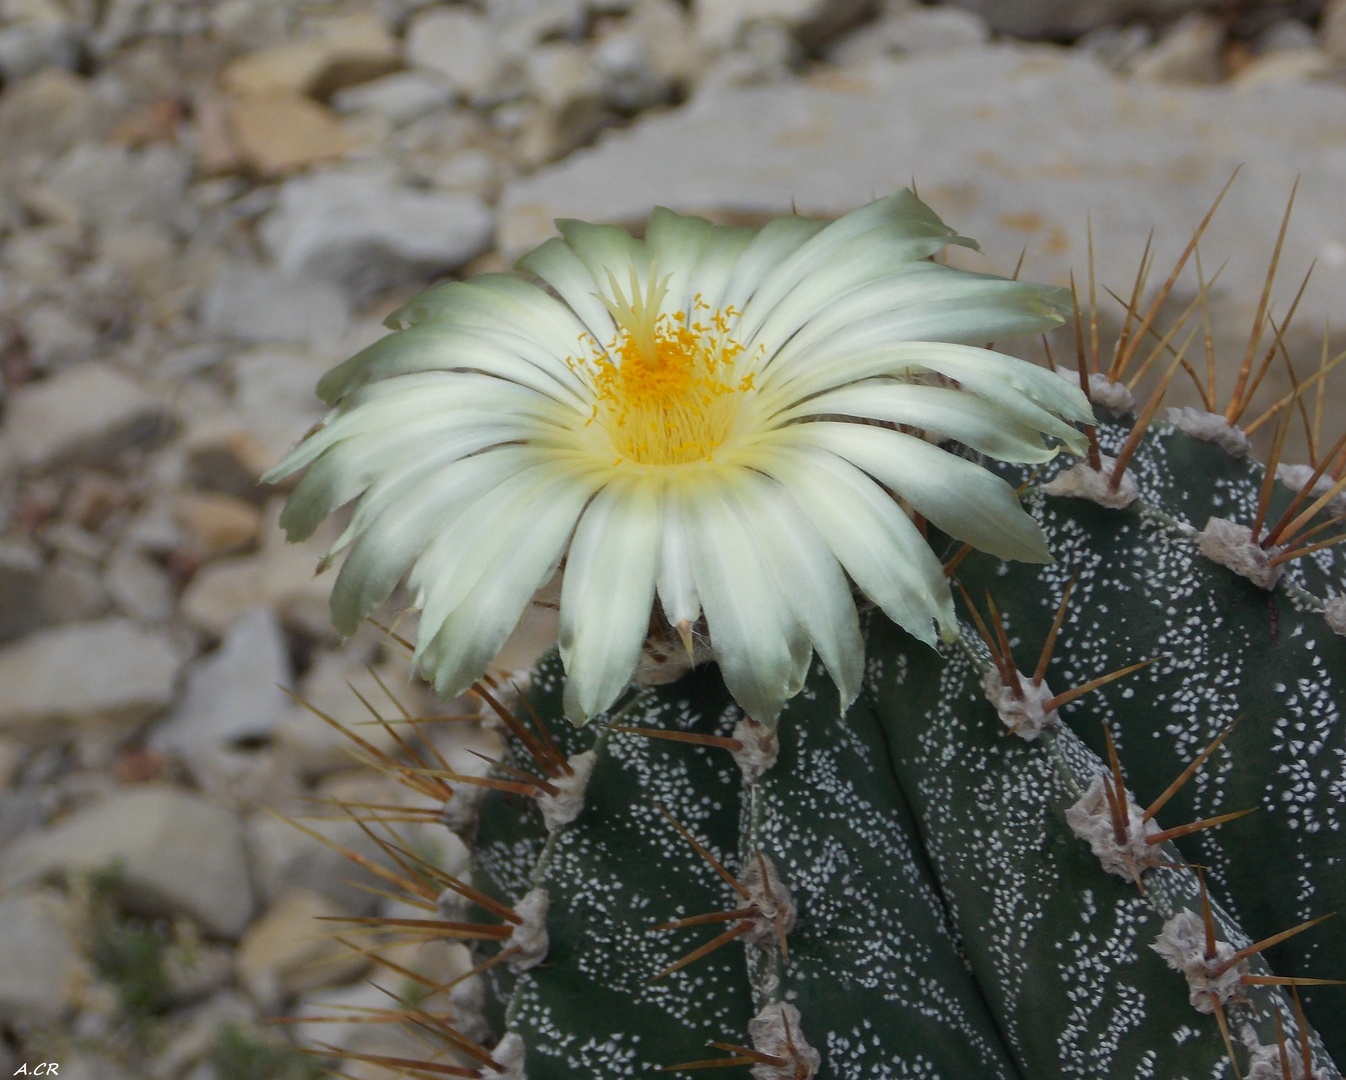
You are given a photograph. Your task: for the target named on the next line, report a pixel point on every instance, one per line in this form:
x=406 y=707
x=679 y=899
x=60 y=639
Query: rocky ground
x=206 y=203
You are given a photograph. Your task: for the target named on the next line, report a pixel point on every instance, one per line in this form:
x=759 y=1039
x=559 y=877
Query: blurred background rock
x=206 y=203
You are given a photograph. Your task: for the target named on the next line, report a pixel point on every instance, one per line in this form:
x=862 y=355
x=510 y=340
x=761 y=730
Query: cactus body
x=949 y=921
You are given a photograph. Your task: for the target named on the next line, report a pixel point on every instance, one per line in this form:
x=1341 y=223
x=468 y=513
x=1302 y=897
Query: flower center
x=668 y=385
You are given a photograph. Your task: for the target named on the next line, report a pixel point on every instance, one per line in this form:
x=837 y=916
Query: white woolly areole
x=1265 y=1062
x=1297 y=477
x=1335 y=614
x=771 y=897
x=1209 y=427
x=1182 y=944
x=459 y=812
x=468 y=1001
x=758 y=751
x=776 y=1031
x=1082 y=482
x=1027 y=717
x=1113 y=396
x=509 y=1053
x=1091 y=820
x=531 y=934
x=561 y=809
x=1231 y=545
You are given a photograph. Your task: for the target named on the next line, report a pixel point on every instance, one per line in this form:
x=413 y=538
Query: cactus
x=1095 y=835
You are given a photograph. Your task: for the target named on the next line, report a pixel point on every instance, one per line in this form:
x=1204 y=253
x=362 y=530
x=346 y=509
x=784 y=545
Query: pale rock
x=336 y=1004
x=88 y=413
x=288 y=951
x=1045 y=136
x=1286 y=34
x=317 y=749
x=200 y=1035
x=285 y=580
x=234 y=693
x=399 y=98
x=141 y=250
x=767 y=53
x=44 y=254
x=643 y=61
x=57 y=336
x=342 y=51
x=72 y=591
x=524 y=24
x=216 y=524
x=138 y=586
x=46 y=115
x=1283 y=65
x=472 y=170
x=284 y=859
x=41 y=971
x=177 y=854
x=722 y=23
x=562 y=76
x=120 y=21
x=110 y=671
x=29 y=47
x=1189 y=52
x=196 y=970
x=918 y=30
x=1116 y=46
x=112 y=185
x=274 y=397
x=364 y=229
x=1041 y=19
x=224 y=456
x=93 y=1066
x=281 y=576
x=279 y=133
x=20 y=586
x=250 y=23
x=254 y=304
x=1332 y=30
x=457 y=44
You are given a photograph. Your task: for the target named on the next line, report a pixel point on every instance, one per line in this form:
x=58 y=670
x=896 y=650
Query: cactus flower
x=724 y=426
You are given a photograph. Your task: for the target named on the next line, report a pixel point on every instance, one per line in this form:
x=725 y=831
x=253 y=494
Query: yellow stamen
x=668 y=386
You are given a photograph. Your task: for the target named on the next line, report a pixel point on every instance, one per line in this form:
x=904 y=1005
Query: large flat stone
x=1013 y=146
x=107 y=671
x=86 y=414
x=175 y=853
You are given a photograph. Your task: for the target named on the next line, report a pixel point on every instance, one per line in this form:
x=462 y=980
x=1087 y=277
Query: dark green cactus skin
x=950 y=924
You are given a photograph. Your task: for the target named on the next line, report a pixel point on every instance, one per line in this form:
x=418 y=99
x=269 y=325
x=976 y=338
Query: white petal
x=412 y=516
x=925 y=301
x=1032 y=395
x=346 y=470
x=877 y=544
x=899 y=223
x=607 y=594
x=556 y=264
x=950 y=414
x=701 y=257
x=809 y=578
x=454 y=397
x=777 y=240
x=528 y=501
x=493 y=300
x=470 y=636
x=429 y=347
x=754 y=633
x=958 y=496
x=675 y=582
